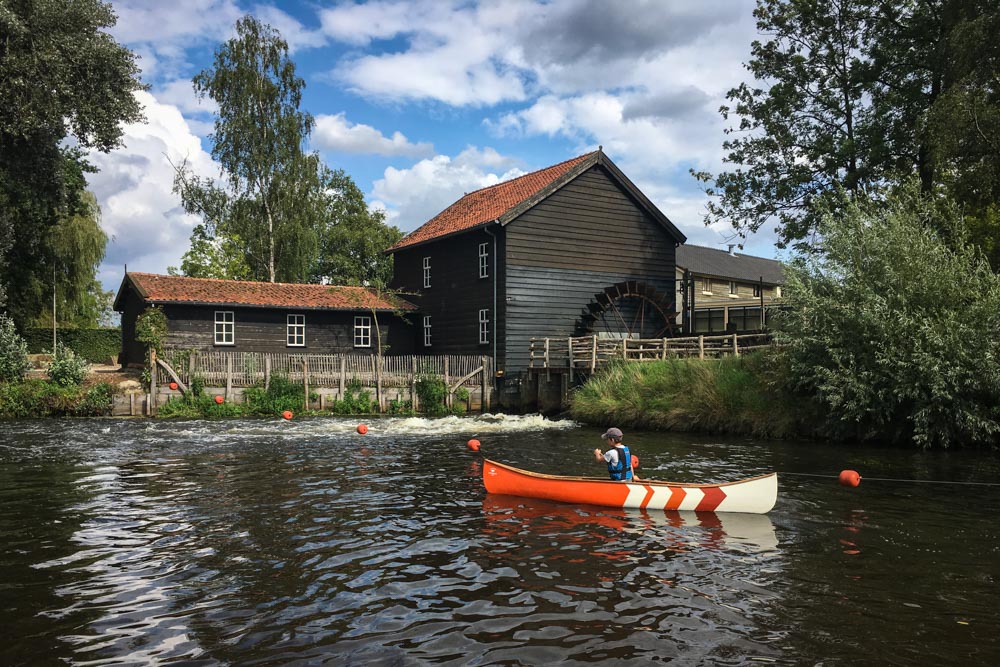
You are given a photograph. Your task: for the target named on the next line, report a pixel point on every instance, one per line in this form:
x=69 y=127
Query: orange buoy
x=287 y=414
x=635 y=462
x=219 y=399
x=473 y=445
x=849 y=478
x=362 y=429
x=173 y=386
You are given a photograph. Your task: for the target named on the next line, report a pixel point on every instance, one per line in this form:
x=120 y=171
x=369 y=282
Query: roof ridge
x=530 y=173
x=242 y=282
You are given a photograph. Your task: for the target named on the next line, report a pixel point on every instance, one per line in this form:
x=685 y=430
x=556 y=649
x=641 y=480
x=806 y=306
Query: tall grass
x=736 y=395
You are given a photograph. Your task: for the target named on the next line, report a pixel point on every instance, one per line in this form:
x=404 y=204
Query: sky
x=421 y=101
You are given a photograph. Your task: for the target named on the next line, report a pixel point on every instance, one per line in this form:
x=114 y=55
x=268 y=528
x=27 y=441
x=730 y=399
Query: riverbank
x=742 y=395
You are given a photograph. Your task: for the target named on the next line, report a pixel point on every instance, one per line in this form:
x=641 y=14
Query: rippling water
x=284 y=543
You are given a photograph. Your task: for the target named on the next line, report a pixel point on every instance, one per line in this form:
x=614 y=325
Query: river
x=264 y=542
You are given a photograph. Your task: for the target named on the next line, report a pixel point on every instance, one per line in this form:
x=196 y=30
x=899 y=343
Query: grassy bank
x=39 y=398
x=734 y=395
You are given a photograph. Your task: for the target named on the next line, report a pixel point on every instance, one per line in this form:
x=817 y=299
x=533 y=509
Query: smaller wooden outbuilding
x=244 y=316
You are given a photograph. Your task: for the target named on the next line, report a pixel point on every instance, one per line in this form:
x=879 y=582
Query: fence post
x=229 y=374
x=665 y=344
x=305 y=382
x=152 y=382
x=267 y=372
x=191 y=366
x=447 y=383
x=569 y=354
x=378 y=380
x=413 y=383
x=593 y=355
x=624 y=349
x=343 y=374
x=701 y=347
x=482 y=386
x=736 y=347
x=547 y=370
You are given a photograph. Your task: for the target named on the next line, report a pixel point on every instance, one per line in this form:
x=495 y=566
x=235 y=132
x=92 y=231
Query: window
x=706 y=286
x=734 y=289
x=362 y=331
x=296 y=331
x=484 y=260
x=484 y=326
x=756 y=291
x=224 y=328
x=777 y=291
x=710 y=320
x=427 y=271
x=427 y=330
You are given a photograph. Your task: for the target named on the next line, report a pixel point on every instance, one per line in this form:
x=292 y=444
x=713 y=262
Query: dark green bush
x=432 y=392
x=355 y=401
x=38 y=398
x=94 y=345
x=13 y=352
x=281 y=394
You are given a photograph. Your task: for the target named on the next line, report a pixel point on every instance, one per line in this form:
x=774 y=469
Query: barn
x=572 y=249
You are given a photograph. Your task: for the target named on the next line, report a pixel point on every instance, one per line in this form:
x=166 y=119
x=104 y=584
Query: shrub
x=13 y=352
x=96 y=401
x=151 y=328
x=37 y=398
x=355 y=401
x=281 y=394
x=432 y=392
x=94 y=345
x=67 y=369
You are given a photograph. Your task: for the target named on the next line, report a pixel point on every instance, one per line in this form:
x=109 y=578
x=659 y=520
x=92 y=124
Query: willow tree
x=263 y=208
x=66 y=86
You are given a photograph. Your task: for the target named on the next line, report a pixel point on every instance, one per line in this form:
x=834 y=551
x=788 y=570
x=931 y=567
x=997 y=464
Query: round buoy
x=287 y=414
x=173 y=386
x=473 y=445
x=849 y=478
x=635 y=461
x=362 y=429
x=219 y=399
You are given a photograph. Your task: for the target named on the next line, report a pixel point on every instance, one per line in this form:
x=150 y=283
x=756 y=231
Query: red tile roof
x=178 y=289
x=489 y=204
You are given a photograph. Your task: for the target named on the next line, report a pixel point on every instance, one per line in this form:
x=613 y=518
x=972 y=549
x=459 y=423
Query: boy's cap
x=612 y=433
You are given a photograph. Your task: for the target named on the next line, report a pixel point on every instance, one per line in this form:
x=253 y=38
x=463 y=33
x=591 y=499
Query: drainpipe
x=496 y=270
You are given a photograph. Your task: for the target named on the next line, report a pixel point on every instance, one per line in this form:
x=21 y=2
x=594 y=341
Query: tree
x=264 y=211
x=850 y=95
x=892 y=326
x=61 y=76
x=353 y=238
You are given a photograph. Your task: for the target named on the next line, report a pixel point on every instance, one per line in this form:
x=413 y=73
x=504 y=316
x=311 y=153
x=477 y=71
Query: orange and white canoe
x=755 y=495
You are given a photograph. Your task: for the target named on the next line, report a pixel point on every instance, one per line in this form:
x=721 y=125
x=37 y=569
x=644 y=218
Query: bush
x=37 y=398
x=67 y=369
x=13 y=352
x=281 y=394
x=151 y=328
x=893 y=328
x=94 y=345
x=96 y=401
x=432 y=392
x=355 y=401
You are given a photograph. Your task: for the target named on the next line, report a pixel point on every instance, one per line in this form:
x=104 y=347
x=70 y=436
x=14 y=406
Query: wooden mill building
x=572 y=249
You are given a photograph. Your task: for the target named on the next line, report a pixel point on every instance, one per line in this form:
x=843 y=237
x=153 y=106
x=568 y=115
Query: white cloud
x=148 y=226
x=336 y=133
x=415 y=195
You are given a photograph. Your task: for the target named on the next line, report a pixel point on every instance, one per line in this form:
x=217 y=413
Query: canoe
x=755 y=495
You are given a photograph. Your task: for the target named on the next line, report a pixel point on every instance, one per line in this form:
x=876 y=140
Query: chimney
x=731 y=246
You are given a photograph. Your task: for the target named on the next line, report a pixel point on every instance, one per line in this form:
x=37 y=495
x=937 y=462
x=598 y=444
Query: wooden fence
x=233 y=370
x=588 y=353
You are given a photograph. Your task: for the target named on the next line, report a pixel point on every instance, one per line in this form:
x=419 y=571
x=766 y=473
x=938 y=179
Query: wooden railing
x=588 y=353
x=244 y=369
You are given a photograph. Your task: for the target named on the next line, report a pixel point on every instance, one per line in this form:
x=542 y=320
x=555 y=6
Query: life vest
x=622 y=469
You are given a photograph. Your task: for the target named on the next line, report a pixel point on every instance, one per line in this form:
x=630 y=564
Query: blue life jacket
x=623 y=469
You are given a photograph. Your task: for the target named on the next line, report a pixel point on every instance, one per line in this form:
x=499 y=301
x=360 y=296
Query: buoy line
x=892 y=479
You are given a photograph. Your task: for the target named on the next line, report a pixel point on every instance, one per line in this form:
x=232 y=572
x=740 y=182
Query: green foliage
x=96 y=345
x=432 y=392
x=151 y=327
x=67 y=87
x=848 y=96
x=267 y=212
x=281 y=394
x=37 y=399
x=67 y=368
x=13 y=352
x=893 y=327
x=737 y=395
x=199 y=407
x=400 y=408
x=355 y=401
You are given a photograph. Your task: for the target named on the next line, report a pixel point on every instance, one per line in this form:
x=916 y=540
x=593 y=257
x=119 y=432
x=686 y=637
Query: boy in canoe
x=618 y=457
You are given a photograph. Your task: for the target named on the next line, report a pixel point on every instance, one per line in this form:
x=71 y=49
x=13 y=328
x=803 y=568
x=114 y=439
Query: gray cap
x=612 y=432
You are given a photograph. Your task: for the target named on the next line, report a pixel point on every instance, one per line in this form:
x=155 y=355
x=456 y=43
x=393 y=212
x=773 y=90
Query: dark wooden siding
x=585 y=237
x=133 y=352
x=265 y=330
x=455 y=296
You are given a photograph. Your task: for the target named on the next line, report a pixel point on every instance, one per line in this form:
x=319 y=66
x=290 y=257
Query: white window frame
x=706 y=286
x=362 y=331
x=427 y=271
x=484 y=326
x=228 y=326
x=295 y=330
x=427 y=330
x=484 y=260
x=734 y=289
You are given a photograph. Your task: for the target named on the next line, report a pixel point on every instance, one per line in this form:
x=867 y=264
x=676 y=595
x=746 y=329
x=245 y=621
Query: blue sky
x=421 y=101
